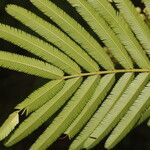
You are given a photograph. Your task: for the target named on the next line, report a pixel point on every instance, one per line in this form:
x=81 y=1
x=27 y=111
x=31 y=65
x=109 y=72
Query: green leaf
x=53 y=35
x=106 y=98
x=118 y=110
x=39 y=48
x=37 y=118
x=68 y=114
x=9 y=125
x=130 y=119
x=102 y=29
x=29 y=65
x=76 y=31
x=102 y=89
x=138 y=25
x=108 y=103
x=40 y=96
x=122 y=30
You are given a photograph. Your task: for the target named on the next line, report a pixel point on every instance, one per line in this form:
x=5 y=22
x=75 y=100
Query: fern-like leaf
x=102 y=29
x=37 y=118
x=9 y=125
x=54 y=35
x=130 y=119
x=102 y=89
x=75 y=99
x=68 y=114
x=119 y=109
x=40 y=96
x=29 y=65
x=115 y=94
x=39 y=48
x=76 y=31
x=123 y=31
x=136 y=23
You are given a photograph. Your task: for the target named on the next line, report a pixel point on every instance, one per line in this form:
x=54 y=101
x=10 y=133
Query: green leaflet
x=138 y=25
x=45 y=112
x=122 y=30
x=76 y=31
x=29 y=65
x=54 y=35
x=9 y=125
x=40 y=96
x=130 y=119
x=67 y=115
x=145 y=115
x=102 y=89
x=118 y=110
x=102 y=29
x=39 y=48
x=108 y=103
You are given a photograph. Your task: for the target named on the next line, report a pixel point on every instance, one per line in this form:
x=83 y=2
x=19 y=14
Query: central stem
x=108 y=72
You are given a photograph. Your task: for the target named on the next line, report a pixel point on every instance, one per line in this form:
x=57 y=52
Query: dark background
x=14 y=86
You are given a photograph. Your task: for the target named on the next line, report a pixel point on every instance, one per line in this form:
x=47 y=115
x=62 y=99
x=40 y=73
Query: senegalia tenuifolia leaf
x=123 y=31
x=130 y=119
x=105 y=33
x=37 y=118
x=29 y=65
x=144 y=116
x=102 y=89
x=118 y=110
x=76 y=31
x=138 y=25
x=108 y=103
x=68 y=114
x=39 y=48
x=53 y=35
x=39 y=97
x=9 y=125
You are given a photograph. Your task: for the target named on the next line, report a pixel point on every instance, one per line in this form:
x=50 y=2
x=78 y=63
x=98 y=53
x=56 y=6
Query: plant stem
x=107 y=72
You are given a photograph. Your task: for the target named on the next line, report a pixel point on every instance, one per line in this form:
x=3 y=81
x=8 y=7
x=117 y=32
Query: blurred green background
x=14 y=86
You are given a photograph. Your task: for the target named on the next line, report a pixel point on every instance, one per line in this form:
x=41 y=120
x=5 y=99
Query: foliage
x=95 y=89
